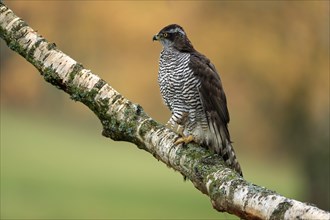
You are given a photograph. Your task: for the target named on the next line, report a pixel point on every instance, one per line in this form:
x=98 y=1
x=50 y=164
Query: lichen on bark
x=125 y=121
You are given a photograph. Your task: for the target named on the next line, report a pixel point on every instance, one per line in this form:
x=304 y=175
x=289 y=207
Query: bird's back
x=192 y=89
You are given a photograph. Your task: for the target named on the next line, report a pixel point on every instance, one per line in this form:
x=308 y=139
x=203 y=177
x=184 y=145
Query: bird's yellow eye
x=165 y=34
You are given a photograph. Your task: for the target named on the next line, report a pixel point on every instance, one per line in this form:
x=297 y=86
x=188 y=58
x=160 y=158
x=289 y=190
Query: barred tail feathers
x=220 y=143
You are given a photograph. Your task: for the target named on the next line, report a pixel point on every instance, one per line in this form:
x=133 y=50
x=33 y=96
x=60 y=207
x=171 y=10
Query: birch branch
x=123 y=120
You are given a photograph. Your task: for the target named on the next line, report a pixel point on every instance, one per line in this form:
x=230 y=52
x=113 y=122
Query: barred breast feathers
x=192 y=89
x=172 y=73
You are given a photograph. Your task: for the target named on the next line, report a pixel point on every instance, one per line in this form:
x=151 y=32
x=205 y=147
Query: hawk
x=192 y=90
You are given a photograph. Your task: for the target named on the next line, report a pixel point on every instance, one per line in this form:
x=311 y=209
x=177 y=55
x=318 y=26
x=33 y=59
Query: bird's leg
x=177 y=124
x=184 y=139
x=173 y=125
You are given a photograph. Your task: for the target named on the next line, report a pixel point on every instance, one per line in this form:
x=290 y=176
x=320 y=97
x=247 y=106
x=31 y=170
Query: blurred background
x=273 y=58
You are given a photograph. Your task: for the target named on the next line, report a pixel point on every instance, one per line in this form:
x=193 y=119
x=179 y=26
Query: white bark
x=123 y=120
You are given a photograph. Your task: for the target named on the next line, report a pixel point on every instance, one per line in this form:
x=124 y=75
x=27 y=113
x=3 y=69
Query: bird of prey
x=192 y=90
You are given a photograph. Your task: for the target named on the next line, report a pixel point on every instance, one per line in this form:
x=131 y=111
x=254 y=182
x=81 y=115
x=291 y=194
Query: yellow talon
x=185 y=140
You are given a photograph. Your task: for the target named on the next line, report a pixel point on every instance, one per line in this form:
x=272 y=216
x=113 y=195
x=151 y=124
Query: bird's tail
x=222 y=145
x=229 y=156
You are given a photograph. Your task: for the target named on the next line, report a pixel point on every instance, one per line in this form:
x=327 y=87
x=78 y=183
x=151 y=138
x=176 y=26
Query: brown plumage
x=192 y=89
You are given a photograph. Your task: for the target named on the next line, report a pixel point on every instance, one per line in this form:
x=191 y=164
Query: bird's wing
x=213 y=98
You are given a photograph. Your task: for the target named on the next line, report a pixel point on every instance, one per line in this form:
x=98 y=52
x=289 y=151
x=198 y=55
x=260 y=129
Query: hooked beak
x=156 y=37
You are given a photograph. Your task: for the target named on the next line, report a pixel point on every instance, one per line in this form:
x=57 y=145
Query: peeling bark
x=125 y=121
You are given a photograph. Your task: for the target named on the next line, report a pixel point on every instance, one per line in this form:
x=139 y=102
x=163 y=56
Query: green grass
x=54 y=168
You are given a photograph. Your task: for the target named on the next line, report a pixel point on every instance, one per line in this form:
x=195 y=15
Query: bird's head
x=173 y=36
